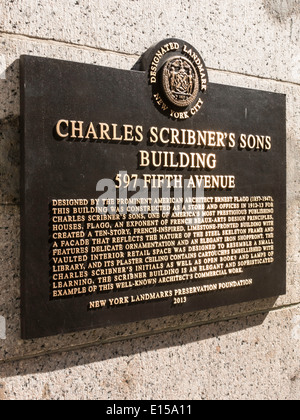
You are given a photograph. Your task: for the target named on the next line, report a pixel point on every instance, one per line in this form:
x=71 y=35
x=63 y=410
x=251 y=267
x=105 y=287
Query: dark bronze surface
x=69 y=165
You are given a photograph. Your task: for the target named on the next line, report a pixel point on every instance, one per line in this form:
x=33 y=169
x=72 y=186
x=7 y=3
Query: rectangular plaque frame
x=65 y=169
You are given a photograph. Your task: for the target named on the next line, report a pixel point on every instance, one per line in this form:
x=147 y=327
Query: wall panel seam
x=147 y=334
x=133 y=55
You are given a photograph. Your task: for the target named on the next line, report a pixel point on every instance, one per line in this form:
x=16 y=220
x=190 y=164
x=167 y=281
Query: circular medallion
x=180 y=81
x=178 y=76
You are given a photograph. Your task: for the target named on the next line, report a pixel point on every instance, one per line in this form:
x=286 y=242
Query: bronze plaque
x=146 y=193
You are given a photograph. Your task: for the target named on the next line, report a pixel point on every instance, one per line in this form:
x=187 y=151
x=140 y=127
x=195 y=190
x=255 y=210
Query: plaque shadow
x=173 y=337
x=10 y=134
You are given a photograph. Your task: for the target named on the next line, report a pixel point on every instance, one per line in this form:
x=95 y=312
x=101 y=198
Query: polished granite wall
x=244 y=351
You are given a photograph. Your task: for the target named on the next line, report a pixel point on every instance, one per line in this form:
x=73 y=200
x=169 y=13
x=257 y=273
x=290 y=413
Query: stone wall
x=247 y=351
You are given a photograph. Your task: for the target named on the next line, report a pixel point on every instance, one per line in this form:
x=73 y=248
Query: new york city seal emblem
x=180 y=81
x=179 y=78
